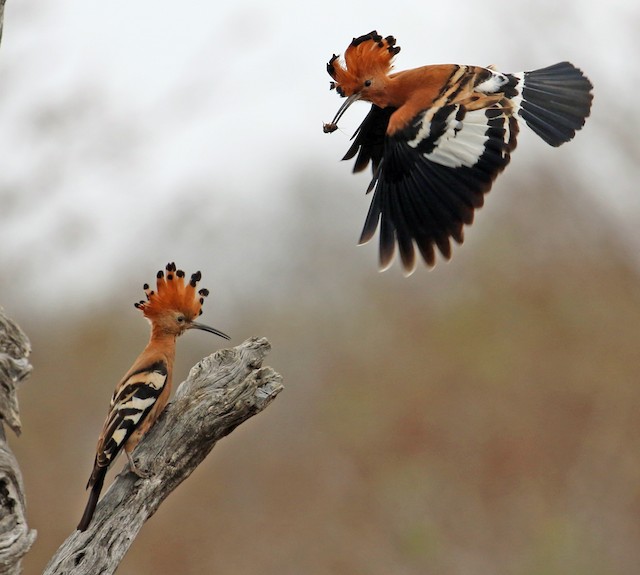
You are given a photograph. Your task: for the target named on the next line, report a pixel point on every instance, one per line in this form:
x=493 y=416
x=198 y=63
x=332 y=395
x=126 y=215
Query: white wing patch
x=425 y=127
x=134 y=399
x=155 y=379
x=493 y=83
x=119 y=435
x=139 y=404
x=462 y=143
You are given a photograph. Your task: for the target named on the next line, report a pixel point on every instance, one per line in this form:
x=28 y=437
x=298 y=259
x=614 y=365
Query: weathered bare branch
x=14 y=367
x=15 y=536
x=221 y=392
x=1 y=17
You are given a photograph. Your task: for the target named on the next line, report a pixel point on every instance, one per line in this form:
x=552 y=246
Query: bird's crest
x=366 y=56
x=173 y=294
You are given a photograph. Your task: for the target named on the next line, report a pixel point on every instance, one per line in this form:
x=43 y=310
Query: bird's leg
x=134 y=468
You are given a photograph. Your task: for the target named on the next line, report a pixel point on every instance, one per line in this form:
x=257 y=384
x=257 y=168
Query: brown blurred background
x=479 y=418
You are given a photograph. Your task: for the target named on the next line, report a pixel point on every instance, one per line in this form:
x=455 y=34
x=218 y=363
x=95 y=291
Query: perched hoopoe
x=144 y=391
x=437 y=137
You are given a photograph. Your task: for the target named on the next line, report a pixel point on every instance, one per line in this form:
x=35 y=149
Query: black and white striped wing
x=130 y=404
x=432 y=175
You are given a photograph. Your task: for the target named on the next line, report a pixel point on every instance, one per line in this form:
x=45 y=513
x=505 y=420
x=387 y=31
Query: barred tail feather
x=555 y=101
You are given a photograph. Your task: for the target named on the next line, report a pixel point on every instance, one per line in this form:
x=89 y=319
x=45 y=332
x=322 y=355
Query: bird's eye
x=367 y=83
x=180 y=319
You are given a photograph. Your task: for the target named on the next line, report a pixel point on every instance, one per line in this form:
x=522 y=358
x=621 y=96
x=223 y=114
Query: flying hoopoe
x=437 y=137
x=144 y=390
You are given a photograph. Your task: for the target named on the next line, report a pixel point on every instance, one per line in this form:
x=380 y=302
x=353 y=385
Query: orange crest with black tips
x=367 y=56
x=173 y=294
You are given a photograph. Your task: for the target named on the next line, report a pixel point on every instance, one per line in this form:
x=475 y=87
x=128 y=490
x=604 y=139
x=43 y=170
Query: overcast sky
x=117 y=116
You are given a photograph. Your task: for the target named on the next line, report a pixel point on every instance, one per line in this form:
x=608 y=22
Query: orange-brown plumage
x=437 y=136
x=367 y=56
x=172 y=295
x=144 y=391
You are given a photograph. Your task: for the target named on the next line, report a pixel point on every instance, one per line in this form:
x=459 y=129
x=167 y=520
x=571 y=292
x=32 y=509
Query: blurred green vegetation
x=479 y=418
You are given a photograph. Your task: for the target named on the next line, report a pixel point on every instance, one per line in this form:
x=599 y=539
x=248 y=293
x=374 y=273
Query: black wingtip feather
x=371 y=221
x=387 y=241
x=368 y=139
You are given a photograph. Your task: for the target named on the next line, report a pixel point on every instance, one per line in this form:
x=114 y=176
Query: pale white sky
x=138 y=131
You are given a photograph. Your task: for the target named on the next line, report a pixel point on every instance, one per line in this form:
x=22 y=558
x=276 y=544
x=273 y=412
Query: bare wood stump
x=15 y=536
x=221 y=392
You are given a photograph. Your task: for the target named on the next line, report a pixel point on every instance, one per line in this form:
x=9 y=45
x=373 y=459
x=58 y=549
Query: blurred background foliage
x=477 y=418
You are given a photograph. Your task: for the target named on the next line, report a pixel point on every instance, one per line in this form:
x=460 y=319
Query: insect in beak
x=333 y=125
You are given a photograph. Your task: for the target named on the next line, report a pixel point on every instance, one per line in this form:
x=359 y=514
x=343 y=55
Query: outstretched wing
x=433 y=175
x=430 y=176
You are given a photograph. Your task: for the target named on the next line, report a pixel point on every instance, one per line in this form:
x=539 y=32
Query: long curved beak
x=350 y=100
x=201 y=326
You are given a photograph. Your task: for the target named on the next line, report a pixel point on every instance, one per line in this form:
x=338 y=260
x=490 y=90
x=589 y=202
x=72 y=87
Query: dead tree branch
x=15 y=536
x=221 y=392
x=1 y=17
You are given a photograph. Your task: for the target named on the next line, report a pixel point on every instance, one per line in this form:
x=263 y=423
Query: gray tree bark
x=221 y=392
x=1 y=17
x=15 y=536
